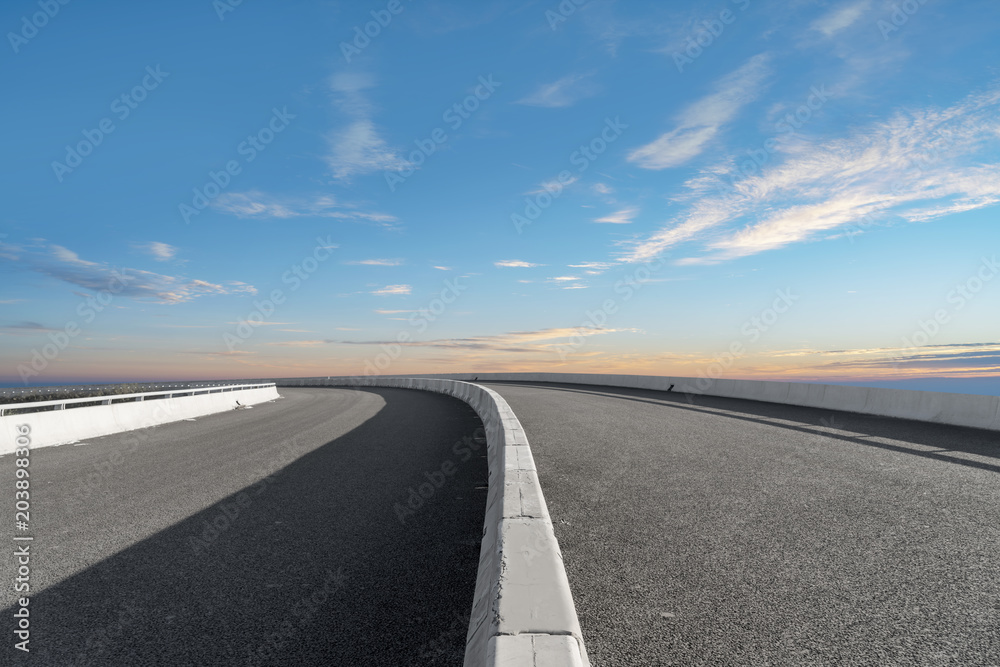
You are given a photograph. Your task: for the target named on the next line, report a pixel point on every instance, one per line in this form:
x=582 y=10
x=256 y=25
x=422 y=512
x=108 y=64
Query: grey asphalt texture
x=267 y=536
x=729 y=532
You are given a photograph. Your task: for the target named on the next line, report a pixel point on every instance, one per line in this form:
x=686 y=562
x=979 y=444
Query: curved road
x=730 y=532
x=270 y=536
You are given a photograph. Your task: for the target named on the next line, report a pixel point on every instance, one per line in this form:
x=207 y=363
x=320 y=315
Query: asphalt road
x=269 y=536
x=730 y=532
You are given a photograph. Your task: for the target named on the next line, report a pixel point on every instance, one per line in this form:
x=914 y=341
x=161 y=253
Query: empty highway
x=278 y=535
x=729 y=532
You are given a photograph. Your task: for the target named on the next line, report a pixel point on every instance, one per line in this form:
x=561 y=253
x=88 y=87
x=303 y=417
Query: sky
x=799 y=191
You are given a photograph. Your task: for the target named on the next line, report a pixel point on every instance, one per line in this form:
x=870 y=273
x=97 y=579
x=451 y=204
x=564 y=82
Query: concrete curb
x=968 y=410
x=522 y=612
x=60 y=426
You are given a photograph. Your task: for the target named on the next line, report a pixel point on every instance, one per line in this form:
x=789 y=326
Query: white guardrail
x=522 y=612
x=66 y=420
x=970 y=410
x=27 y=407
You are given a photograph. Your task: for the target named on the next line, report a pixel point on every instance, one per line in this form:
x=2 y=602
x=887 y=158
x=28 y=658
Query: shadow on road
x=311 y=565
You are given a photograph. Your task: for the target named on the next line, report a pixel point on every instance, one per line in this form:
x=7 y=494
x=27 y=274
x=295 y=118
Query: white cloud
x=377 y=262
x=442 y=268
x=553 y=186
x=515 y=264
x=357 y=148
x=255 y=204
x=544 y=340
x=918 y=165
x=562 y=93
x=393 y=289
x=599 y=266
x=701 y=121
x=65 y=265
x=161 y=252
x=622 y=217
x=841 y=17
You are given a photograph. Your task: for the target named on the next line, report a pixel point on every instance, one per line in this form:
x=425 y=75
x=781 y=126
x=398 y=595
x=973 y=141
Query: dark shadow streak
x=314 y=566
x=974 y=441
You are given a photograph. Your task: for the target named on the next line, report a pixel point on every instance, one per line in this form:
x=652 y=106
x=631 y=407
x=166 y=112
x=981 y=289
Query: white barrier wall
x=930 y=406
x=54 y=427
x=523 y=613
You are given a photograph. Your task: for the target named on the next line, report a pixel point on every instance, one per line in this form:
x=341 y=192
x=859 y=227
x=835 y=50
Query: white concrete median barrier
x=69 y=420
x=939 y=407
x=522 y=613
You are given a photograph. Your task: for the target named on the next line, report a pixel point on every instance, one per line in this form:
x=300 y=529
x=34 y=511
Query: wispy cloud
x=562 y=93
x=26 y=328
x=553 y=185
x=357 y=147
x=301 y=343
x=161 y=252
x=515 y=264
x=256 y=204
x=840 y=18
x=593 y=268
x=598 y=266
x=377 y=262
x=393 y=289
x=65 y=265
x=946 y=360
x=543 y=340
x=917 y=166
x=701 y=121
x=622 y=217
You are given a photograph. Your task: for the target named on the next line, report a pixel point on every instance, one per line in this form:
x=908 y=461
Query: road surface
x=278 y=535
x=730 y=532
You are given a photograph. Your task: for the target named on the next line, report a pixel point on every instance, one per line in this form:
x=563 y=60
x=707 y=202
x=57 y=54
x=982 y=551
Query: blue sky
x=757 y=189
